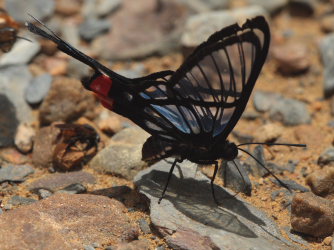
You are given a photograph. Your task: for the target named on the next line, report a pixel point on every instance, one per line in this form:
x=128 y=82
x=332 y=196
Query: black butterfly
x=189 y=112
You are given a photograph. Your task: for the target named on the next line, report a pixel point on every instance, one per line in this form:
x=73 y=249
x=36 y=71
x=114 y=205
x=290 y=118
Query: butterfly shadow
x=193 y=198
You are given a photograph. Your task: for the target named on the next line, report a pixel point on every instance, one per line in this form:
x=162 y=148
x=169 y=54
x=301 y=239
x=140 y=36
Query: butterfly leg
x=212 y=180
x=168 y=179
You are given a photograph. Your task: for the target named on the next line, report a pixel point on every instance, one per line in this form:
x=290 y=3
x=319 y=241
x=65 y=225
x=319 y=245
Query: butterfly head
x=230 y=151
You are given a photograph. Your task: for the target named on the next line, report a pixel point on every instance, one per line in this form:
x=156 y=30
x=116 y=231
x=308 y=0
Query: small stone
x=233 y=179
x=327 y=23
x=271 y=6
x=134 y=72
x=110 y=123
x=24 y=137
x=55 y=66
x=13 y=156
x=22 y=53
x=66 y=101
x=77 y=69
x=269 y=132
x=116 y=192
x=145 y=228
x=321 y=182
x=89 y=247
x=15 y=173
x=105 y=7
x=328 y=240
x=76 y=188
x=292 y=58
x=134 y=245
x=291 y=184
x=263 y=101
x=93 y=27
x=304 y=8
x=313 y=215
x=68 y=7
x=8 y=122
x=327 y=52
x=18 y=200
x=254 y=167
x=37 y=8
x=58 y=181
x=38 y=89
x=43 y=193
x=326 y=157
x=242 y=138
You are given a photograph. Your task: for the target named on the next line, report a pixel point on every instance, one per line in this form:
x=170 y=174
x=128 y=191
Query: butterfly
x=190 y=112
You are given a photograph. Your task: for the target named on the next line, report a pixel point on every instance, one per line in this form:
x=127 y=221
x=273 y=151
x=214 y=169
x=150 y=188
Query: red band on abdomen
x=101 y=87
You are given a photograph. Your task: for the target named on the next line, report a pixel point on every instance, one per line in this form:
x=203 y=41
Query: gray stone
x=199 y=6
x=76 y=188
x=123 y=156
x=13 y=81
x=93 y=27
x=77 y=69
x=264 y=101
x=43 y=193
x=100 y=8
x=253 y=166
x=55 y=182
x=189 y=206
x=18 y=200
x=22 y=52
x=199 y=27
x=326 y=157
x=272 y=6
x=233 y=179
x=144 y=226
x=8 y=122
x=135 y=72
x=327 y=54
x=38 y=89
x=89 y=247
x=291 y=112
x=19 y=9
x=292 y=185
x=15 y=173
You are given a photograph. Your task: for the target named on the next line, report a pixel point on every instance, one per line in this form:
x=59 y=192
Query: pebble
x=326 y=157
x=89 y=247
x=208 y=226
x=68 y=7
x=328 y=240
x=43 y=193
x=123 y=155
x=312 y=215
x=13 y=82
x=137 y=71
x=233 y=179
x=92 y=27
x=59 y=181
x=70 y=33
x=13 y=156
x=100 y=8
x=109 y=122
x=326 y=47
x=66 y=101
x=200 y=6
x=292 y=58
x=134 y=245
x=264 y=101
x=269 y=132
x=24 y=138
x=271 y=6
x=291 y=184
x=327 y=23
x=40 y=9
x=304 y=8
x=22 y=52
x=77 y=69
x=321 y=182
x=73 y=220
x=144 y=226
x=255 y=168
x=199 y=27
x=75 y=188
x=116 y=192
x=291 y=112
x=128 y=40
x=8 y=122
x=15 y=173
x=19 y=200
x=55 y=66
x=38 y=89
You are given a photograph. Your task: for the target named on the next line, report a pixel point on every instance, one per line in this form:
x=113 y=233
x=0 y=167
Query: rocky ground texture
x=71 y=174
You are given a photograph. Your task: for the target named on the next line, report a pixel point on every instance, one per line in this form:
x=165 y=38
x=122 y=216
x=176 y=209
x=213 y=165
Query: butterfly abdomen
x=155 y=149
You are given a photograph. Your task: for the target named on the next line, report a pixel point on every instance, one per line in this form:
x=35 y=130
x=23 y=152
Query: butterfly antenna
x=273 y=144
x=242 y=177
x=271 y=173
x=69 y=49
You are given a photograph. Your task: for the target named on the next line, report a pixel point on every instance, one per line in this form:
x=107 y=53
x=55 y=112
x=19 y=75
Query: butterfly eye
x=129 y=97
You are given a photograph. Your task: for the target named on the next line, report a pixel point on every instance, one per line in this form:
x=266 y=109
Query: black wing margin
x=203 y=100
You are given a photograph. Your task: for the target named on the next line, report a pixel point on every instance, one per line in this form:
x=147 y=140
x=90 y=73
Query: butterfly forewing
x=205 y=97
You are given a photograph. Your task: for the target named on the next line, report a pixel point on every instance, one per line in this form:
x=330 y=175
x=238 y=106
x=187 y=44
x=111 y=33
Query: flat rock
x=13 y=82
x=123 y=156
x=15 y=173
x=66 y=101
x=66 y=221
x=199 y=27
x=22 y=52
x=326 y=47
x=57 y=181
x=40 y=9
x=189 y=206
x=312 y=215
x=321 y=182
x=8 y=122
x=19 y=200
